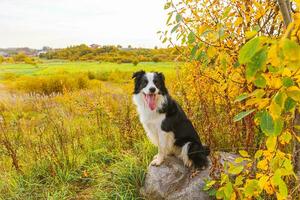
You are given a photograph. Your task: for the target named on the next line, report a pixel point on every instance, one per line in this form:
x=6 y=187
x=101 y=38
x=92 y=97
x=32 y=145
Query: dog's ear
x=161 y=75
x=138 y=74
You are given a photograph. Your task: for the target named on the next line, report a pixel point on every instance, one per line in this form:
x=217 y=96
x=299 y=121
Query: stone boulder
x=173 y=181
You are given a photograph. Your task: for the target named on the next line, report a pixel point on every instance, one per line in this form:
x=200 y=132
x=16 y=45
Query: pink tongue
x=150 y=98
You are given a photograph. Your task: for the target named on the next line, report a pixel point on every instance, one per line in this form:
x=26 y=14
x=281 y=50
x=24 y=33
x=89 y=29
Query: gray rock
x=173 y=181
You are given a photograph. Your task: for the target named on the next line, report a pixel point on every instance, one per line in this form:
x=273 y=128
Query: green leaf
x=287 y=82
x=178 y=17
x=175 y=28
x=226 y=12
x=291 y=50
x=236 y=64
x=278 y=125
x=243 y=114
x=258 y=93
x=256 y=63
x=250 y=187
x=201 y=55
x=209 y=184
x=289 y=104
x=228 y=189
x=241 y=97
x=248 y=50
x=235 y=169
x=260 y=82
x=167 y=5
x=191 y=38
x=170 y=17
x=266 y=123
x=212 y=192
x=283 y=189
x=194 y=50
x=280 y=98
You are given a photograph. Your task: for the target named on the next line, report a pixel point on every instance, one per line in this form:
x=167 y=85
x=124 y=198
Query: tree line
x=115 y=54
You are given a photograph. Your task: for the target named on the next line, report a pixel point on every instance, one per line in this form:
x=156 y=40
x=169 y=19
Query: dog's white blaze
x=184 y=154
x=150 y=78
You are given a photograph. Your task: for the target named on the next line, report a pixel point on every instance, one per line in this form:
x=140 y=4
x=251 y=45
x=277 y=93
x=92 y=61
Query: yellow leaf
x=273 y=56
x=263 y=164
x=275 y=110
x=286 y=72
x=294 y=93
x=271 y=143
x=233 y=196
x=238 y=21
x=253 y=101
x=298 y=138
x=285 y=137
x=244 y=153
x=269 y=189
x=275 y=83
x=263 y=103
x=239 y=180
x=250 y=34
x=258 y=154
x=211 y=51
x=263 y=181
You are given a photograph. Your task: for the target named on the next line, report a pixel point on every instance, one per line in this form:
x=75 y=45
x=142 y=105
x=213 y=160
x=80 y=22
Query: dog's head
x=151 y=85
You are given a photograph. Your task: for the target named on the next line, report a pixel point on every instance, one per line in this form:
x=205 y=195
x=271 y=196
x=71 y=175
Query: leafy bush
x=249 y=84
x=51 y=84
x=135 y=62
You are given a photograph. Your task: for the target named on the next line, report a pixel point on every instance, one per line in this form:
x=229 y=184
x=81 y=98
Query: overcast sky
x=59 y=23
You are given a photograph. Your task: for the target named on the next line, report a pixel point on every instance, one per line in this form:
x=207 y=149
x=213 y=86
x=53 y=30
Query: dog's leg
x=184 y=155
x=159 y=158
x=165 y=147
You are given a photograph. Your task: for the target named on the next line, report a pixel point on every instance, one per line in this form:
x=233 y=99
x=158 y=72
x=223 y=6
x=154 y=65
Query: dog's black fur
x=176 y=120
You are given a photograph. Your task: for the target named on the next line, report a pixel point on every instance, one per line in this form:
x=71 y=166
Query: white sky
x=59 y=23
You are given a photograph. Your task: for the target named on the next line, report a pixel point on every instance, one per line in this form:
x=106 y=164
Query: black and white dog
x=165 y=123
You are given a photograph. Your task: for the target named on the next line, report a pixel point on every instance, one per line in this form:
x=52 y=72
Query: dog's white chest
x=151 y=121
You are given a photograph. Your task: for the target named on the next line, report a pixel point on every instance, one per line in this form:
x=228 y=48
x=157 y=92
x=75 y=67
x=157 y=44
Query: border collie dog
x=165 y=123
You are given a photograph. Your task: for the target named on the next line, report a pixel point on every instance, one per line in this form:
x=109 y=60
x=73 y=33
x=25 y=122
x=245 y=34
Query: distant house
x=40 y=52
x=94 y=46
x=4 y=54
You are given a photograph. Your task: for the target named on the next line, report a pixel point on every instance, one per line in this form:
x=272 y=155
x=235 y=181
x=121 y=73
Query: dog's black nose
x=152 y=89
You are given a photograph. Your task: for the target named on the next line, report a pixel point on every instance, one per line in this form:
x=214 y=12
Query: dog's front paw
x=188 y=163
x=157 y=161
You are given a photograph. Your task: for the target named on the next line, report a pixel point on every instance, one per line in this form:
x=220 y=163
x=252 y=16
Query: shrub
x=156 y=59
x=135 y=62
x=30 y=61
x=9 y=76
x=1 y=59
x=51 y=84
x=91 y=75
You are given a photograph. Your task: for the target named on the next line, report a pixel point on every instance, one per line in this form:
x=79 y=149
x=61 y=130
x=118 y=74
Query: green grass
x=56 y=66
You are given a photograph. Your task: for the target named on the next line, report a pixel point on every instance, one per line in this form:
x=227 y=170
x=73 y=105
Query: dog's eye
x=145 y=82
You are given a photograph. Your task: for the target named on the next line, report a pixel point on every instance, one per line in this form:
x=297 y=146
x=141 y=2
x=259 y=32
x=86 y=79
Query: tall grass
x=82 y=144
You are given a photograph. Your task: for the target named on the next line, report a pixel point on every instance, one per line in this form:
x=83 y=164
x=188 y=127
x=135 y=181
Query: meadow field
x=48 y=67
x=61 y=141
x=69 y=130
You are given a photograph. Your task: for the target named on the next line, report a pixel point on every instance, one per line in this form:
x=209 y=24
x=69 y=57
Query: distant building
x=94 y=46
x=40 y=52
x=4 y=54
